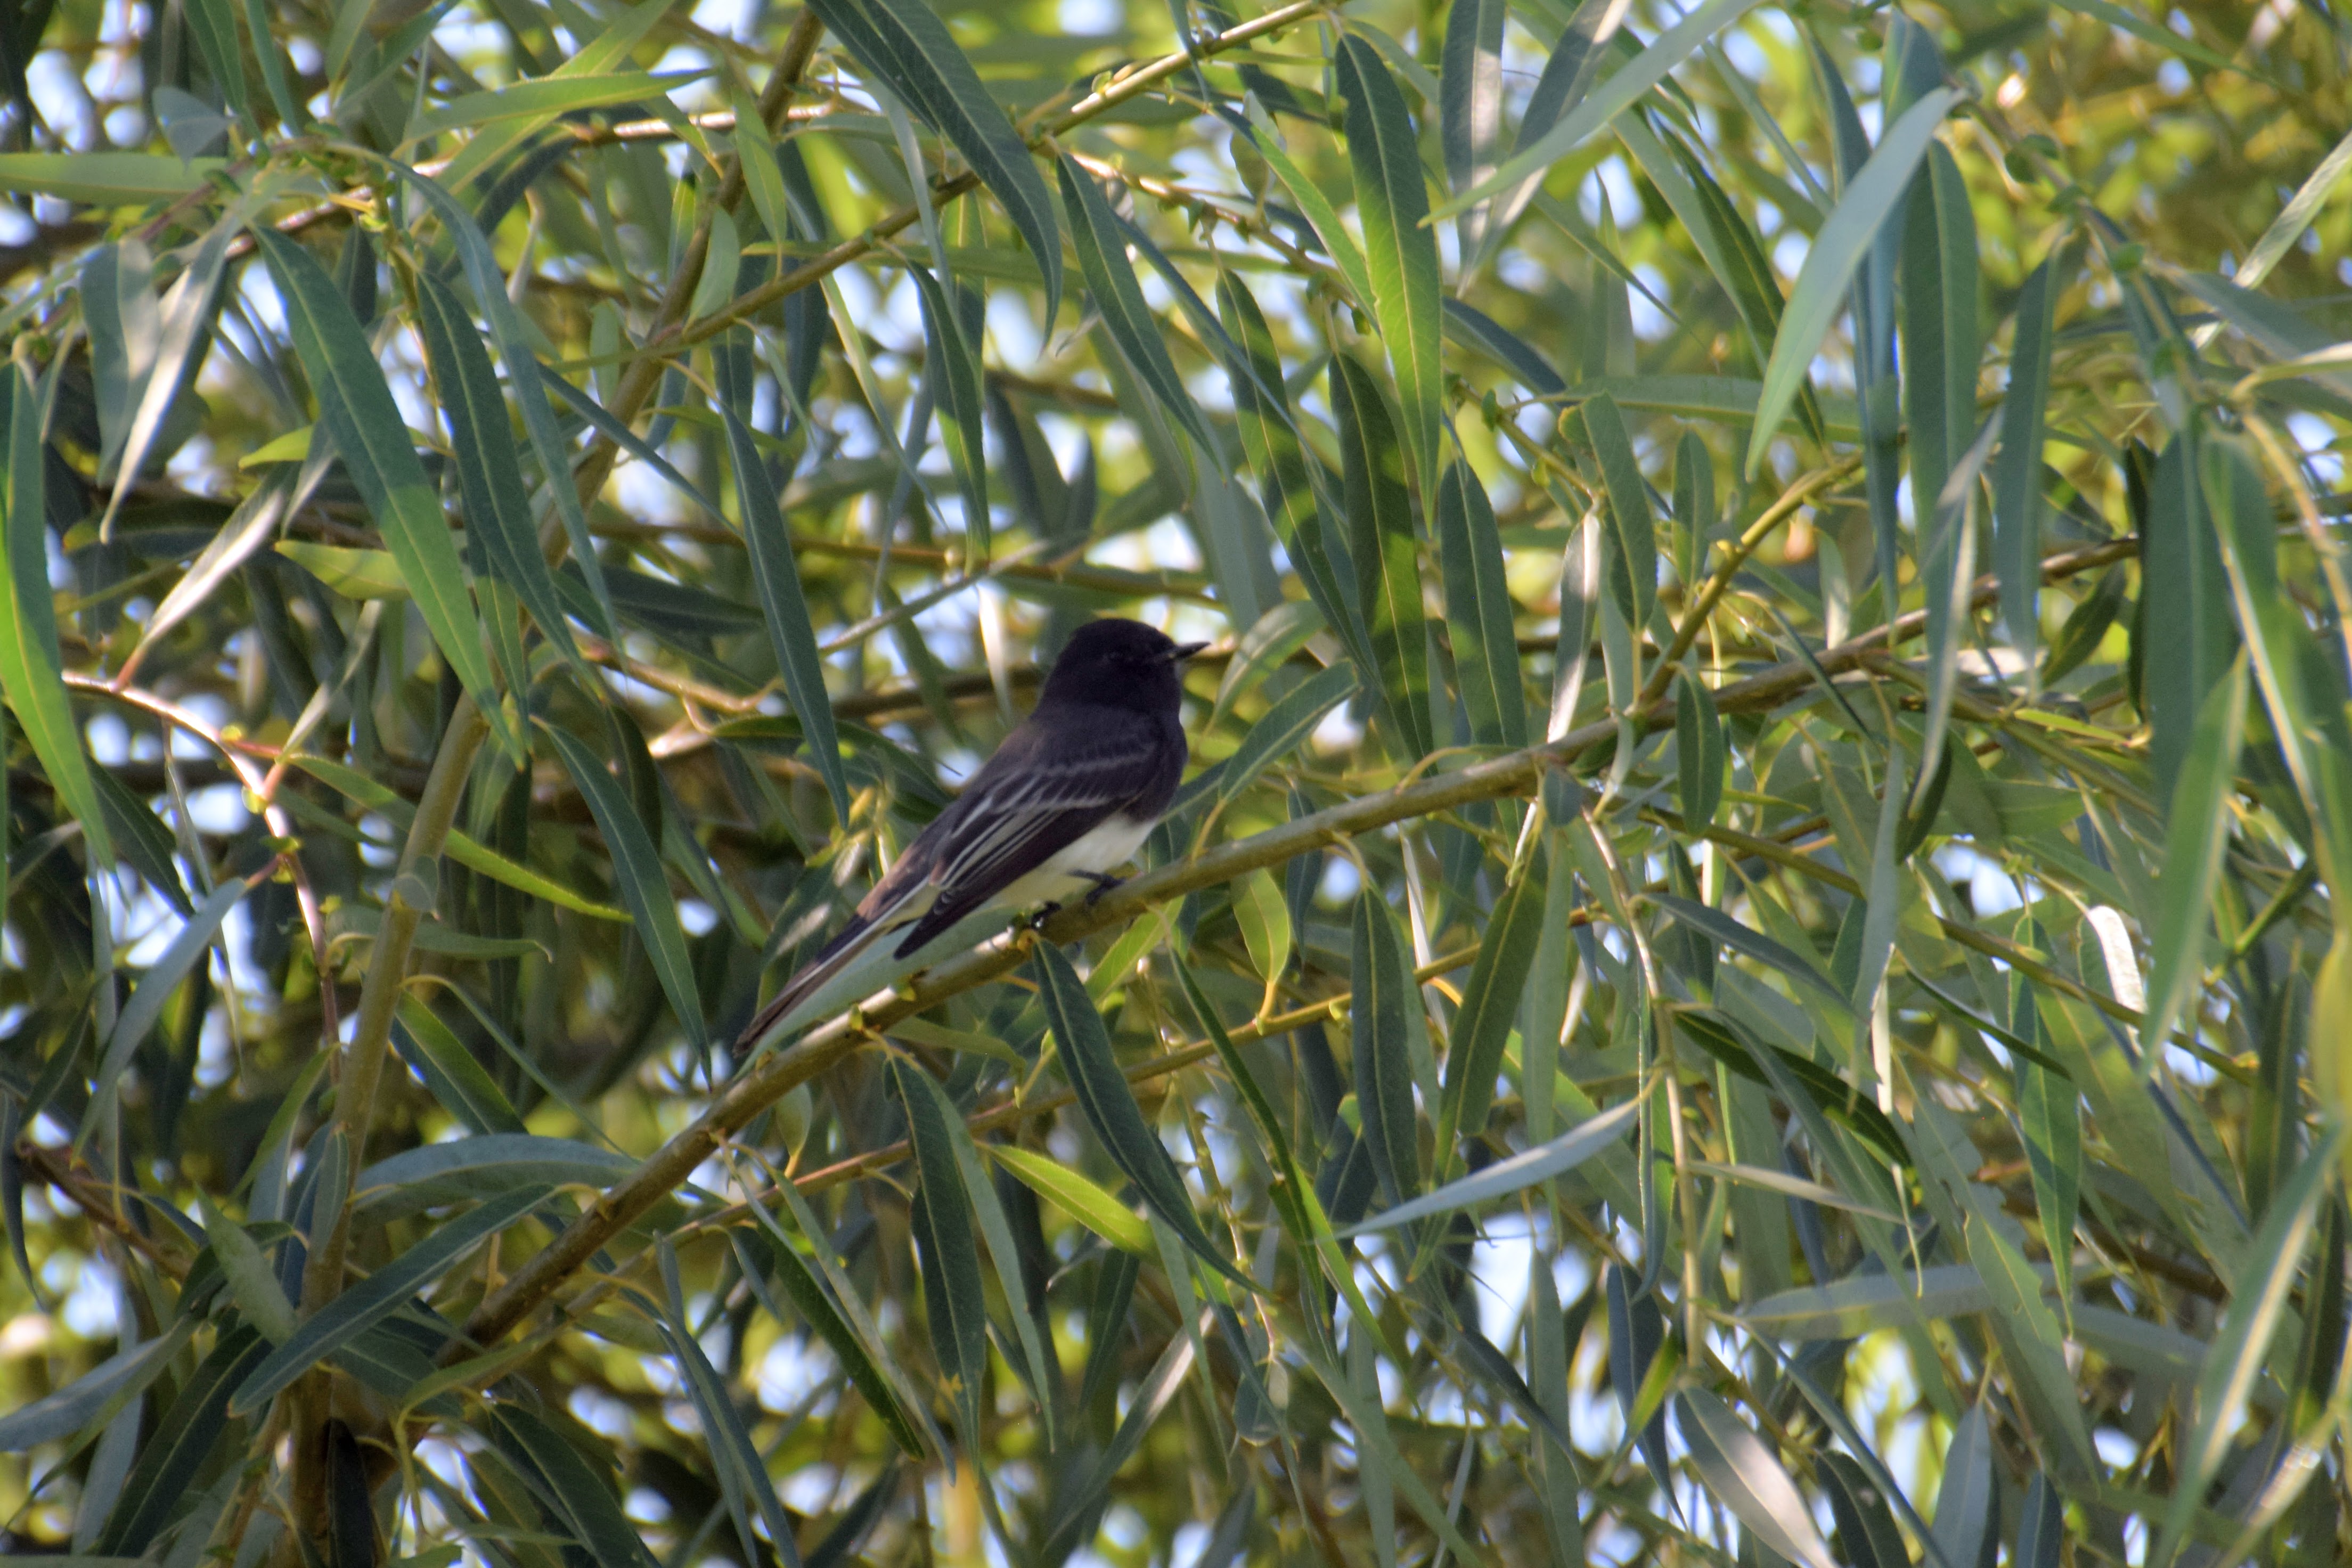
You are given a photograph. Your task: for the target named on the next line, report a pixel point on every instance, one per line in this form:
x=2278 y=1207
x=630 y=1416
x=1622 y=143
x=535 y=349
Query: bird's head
x=1119 y=663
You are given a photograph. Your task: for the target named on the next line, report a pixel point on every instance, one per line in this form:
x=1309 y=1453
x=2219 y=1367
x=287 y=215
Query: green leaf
x=449 y=1172
x=1700 y=755
x=2049 y=1110
x=356 y=410
x=382 y=1293
x=1478 y=610
x=1631 y=533
x=497 y=512
x=951 y=367
x=1283 y=727
x=2027 y=1331
x=212 y=25
x=1940 y=335
x=1108 y=1104
x=1520 y=1171
x=516 y=338
x=1081 y=1199
x=905 y=44
x=1381 y=992
x=742 y=1468
x=821 y=1312
x=1746 y=1478
x=1727 y=932
x=1490 y=1005
x=2164 y=38
x=188 y=947
x=2017 y=476
x=1110 y=279
x=252 y=1281
x=1967 y=1506
x=1606 y=102
x=597 y=56
x=1265 y=919
x=31 y=666
x=576 y=1497
x=456 y=1079
x=1386 y=557
x=637 y=875
x=2259 y=1288
x=1338 y=243
x=2184 y=629
x=778 y=578
x=941 y=1213
x=2193 y=841
x=1470 y=104
x=546 y=98
x=1400 y=247
x=1848 y=232
x=93 y=1398
x=189 y=1434
x=1287 y=488
x=106 y=179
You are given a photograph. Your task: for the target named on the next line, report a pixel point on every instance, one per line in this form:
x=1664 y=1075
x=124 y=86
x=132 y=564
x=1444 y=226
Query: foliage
x=1748 y=973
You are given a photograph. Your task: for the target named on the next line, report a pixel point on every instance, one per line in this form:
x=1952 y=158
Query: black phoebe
x=1071 y=794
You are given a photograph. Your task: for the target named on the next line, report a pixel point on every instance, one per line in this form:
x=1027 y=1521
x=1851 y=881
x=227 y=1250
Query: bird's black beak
x=1184 y=650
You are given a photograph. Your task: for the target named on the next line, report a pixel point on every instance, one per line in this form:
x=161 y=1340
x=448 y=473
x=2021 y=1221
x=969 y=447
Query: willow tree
x=1746 y=970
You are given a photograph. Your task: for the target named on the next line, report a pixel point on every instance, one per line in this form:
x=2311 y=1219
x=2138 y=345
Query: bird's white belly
x=1104 y=849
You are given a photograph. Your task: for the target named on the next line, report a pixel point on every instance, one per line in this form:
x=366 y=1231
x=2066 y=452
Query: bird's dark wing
x=1043 y=790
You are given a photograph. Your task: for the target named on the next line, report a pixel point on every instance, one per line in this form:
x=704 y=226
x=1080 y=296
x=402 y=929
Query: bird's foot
x=1103 y=883
x=1035 y=920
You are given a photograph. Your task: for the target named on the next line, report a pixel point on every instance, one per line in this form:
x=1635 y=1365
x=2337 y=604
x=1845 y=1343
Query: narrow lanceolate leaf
x=189 y=1434
x=1940 y=341
x=2049 y=1110
x=1478 y=610
x=365 y=1304
x=1078 y=1197
x=952 y=366
x=1110 y=1110
x=818 y=1309
x=742 y=1472
x=1568 y=73
x=606 y=51
x=1400 y=247
x=2199 y=827
x=1845 y=237
x=1606 y=102
x=483 y=441
x=638 y=877
x=1286 y=486
x=1490 y=1005
x=31 y=666
x=1339 y=244
x=778 y=579
x=187 y=948
x=1967 y=1506
x=1470 y=103
x=1383 y=991
x=2016 y=472
x=1632 y=533
x=577 y=1497
x=93 y=1397
x=2258 y=1298
x=357 y=411
x=905 y=44
x=1699 y=756
x=2028 y=1334
x=956 y=1307
x=1503 y=1177
x=1385 y=558
x=105 y=179
x=251 y=1280
x=1110 y=278
x=516 y=340
x=1282 y=728
x=1747 y=1477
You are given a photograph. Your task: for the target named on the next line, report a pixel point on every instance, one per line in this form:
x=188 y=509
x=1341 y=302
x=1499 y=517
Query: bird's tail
x=837 y=955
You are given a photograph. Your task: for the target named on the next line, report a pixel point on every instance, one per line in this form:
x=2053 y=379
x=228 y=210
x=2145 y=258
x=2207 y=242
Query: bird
x=1071 y=794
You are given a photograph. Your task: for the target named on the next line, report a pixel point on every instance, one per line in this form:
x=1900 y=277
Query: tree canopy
x=1746 y=971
